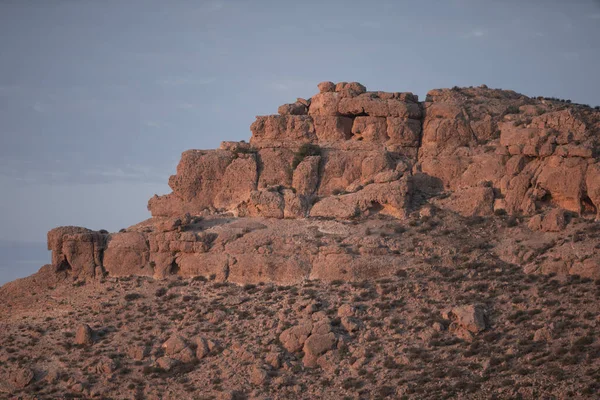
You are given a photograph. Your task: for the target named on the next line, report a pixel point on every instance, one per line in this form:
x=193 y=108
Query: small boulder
x=554 y=221
x=350 y=324
x=186 y=356
x=273 y=359
x=346 y=310
x=202 y=349
x=292 y=109
x=319 y=344
x=326 y=87
x=316 y=345
x=174 y=345
x=303 y=101
x=535 y=222
x=166 y=363
x=466 y=320
x=21 y=377
x=258 y=376
x=321 y=327
x=293 y=338
x=84 y=335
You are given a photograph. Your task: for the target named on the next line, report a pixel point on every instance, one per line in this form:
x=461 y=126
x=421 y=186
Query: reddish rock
x=275 y=167
x=326 y=87
x=554 y=221
x=239 y=179
x=77 y=250
x=403 y=132
x=564 y=179
x=363 y=105
x=472 y=201
x=19 y=378
x=84 y=335
x=267 y=203
x=282 y=128
x=267 y=268
x=306 y=176
x=174 y=345
x=370 y=129
x=386 y=198
x=293 y=338
x=195 y=185
x=348 y=154
x=592 y=182
x=324 y=104
x=293 y=109
x=162 y=264
x=315 y=345
x=211 y=266
x=332 y=129
x=258 y=376
x=127 y=253
x=467 y=321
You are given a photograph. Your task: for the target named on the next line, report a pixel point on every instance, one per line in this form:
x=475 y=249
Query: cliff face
x=347 y=152
x=349 y=157
x=344 y=153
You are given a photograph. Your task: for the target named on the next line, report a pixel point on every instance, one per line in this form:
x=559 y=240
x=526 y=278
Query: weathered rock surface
x=256 y=212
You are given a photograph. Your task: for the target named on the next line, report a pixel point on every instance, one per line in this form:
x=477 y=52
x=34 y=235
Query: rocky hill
x=329 y=166
x=437 y=249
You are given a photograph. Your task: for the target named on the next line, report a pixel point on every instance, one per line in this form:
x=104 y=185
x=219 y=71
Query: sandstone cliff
x=295 y=202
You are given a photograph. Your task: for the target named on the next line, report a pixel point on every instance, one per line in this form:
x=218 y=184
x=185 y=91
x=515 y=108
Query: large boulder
x=239 y=179
x=283 y=128
x=390 y=198
x=198 y=180
x=78 y=250
x=127 y=253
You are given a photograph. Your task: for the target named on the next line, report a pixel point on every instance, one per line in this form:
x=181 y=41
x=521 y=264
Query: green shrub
x=513 y=110
x=307 y=149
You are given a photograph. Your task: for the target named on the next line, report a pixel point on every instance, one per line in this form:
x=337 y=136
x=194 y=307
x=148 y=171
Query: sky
x=99 y=98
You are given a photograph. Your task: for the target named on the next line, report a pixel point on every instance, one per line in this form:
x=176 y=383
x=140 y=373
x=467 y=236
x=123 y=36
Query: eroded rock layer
x=254 y=212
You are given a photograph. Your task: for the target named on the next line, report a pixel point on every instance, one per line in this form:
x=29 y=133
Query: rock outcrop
x=256 y=212
x=533 y=153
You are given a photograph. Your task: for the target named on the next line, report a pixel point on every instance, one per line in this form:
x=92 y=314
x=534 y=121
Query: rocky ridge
x=362 y=245
x=252 y=212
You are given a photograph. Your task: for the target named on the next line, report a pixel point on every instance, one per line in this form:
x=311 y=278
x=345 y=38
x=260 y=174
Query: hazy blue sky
x=98 y=98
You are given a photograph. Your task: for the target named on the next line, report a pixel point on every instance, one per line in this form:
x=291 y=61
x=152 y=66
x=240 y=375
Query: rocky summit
x=360 y=245
x=294 y=202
